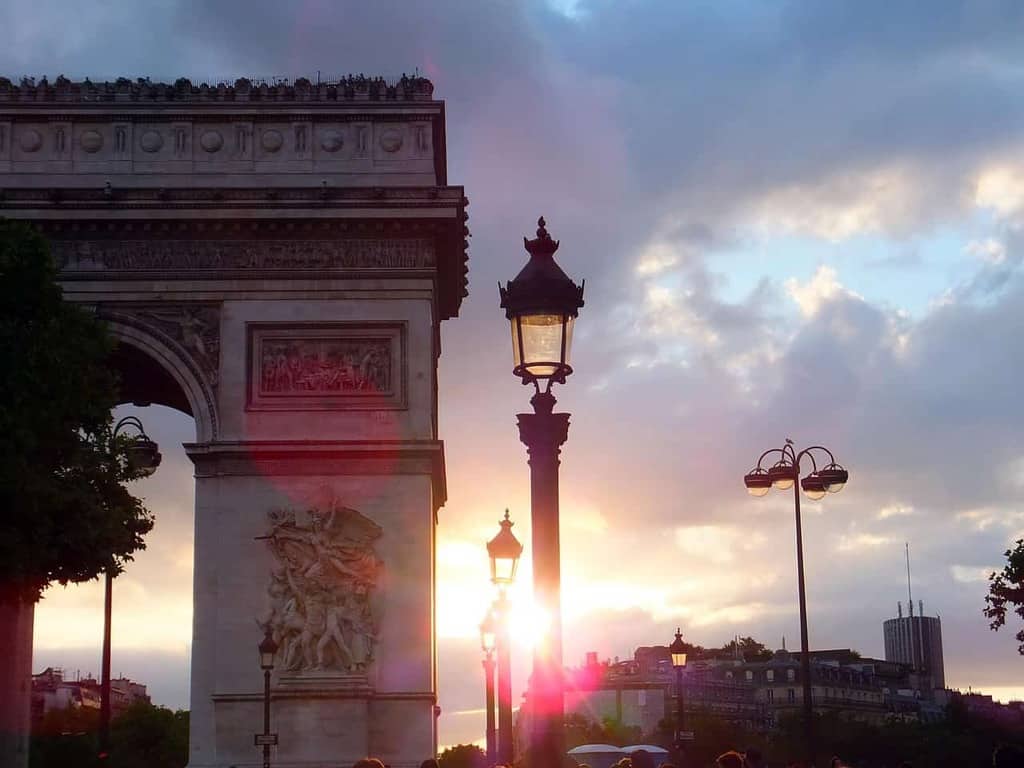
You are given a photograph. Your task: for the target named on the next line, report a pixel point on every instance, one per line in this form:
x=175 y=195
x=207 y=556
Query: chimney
x=899 y=609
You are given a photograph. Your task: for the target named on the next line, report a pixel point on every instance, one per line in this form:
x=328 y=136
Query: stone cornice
x=113 y=197
x=323 y=457
x=352 y=88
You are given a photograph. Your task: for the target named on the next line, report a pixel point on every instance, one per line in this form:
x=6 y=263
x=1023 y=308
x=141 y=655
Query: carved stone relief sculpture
x=326 y=367
x=303 y=366
x=321 y=588
x=196 y=328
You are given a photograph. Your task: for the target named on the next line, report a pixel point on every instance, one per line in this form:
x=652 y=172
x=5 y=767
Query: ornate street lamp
x=488 y=642
x=142 y=456
x=678 y=651
x=504 y=551
x=542 y=304
x=268 y=650
x=785 y=474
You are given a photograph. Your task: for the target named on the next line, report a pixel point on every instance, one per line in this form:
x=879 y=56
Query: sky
x=795 y=219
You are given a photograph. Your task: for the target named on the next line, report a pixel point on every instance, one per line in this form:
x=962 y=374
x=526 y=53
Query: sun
x=529 y=624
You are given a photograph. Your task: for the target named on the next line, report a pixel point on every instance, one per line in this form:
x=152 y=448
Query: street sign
x=685 y=736
x=266 y=739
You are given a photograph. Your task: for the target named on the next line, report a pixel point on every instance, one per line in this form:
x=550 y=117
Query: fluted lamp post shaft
x=542 y=304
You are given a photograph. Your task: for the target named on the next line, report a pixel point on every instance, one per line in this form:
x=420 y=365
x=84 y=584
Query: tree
x=749 y=649
x=67 y=516
x=65 y=737
x=142 y=735
x=1006 y=588
x=151 y=736
x=463 y=756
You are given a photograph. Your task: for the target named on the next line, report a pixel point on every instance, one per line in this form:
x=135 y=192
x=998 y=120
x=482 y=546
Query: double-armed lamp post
x=542 y=304
x=142 y=456
x=504 y=551
x=784 y=474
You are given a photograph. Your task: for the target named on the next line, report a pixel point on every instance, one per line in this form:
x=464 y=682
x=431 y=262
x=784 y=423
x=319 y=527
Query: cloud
x=989 y=250
x=966 y=574
x=895 y=510
x=1001 y=188
x=821 y=288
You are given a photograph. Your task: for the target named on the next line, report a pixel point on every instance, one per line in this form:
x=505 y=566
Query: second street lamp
x=785 y=474
x=142 y=457
x=504 y=551
x=541 y=304
x=678 y=652
x=488 y=641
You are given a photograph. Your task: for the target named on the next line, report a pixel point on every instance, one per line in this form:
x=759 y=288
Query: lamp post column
x=105 y=711
x=504 y=649
x=680 y=716
x=543 y=433
x=805 y=653
x=266 y=718
x=489 y=704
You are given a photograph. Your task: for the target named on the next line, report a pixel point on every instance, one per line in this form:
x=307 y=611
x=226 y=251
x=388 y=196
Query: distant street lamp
x=678 y=651
x=542 y=304
x=504 y=551
x=268 y=649
x=488 y=641
x=784 y=474
x=142 y=456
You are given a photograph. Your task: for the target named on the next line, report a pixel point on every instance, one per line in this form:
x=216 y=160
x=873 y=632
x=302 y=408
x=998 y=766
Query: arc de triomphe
x=276 y=261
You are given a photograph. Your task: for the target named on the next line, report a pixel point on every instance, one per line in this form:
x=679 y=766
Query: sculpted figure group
x=320 y=589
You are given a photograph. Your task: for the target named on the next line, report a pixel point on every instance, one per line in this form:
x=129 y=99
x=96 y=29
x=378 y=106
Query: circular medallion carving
x=211 y=141
x=31 y=141
x=91 y=141
x=331 y=140
x=151 y=141
x=391 y=140
x=271 y=140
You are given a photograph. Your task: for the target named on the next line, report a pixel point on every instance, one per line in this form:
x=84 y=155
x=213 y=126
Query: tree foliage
x=1006 y=590
x=962 y=740
x=463 y=756
x=67 y=516
x=143 y=735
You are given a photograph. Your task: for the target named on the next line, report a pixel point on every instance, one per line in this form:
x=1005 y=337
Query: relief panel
x=321 y=589
x=326 y=367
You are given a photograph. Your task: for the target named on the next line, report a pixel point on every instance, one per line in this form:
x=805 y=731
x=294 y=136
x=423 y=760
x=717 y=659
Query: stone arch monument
x=276 y=261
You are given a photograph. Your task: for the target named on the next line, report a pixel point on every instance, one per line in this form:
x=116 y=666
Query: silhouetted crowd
x=1006 y=756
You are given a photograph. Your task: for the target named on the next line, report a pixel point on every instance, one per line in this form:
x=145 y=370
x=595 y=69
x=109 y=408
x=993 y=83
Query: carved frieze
x=321 y=588
x=326 y=367
x=170 y=255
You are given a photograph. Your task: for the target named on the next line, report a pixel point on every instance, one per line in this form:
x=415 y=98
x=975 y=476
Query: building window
x=750 y=675
x=770 y=675
x=791 y=696
x=770 y=694
x=791 y=674
x=728 y=675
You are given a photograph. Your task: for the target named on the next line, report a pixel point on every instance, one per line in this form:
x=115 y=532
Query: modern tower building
x=917 y=641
